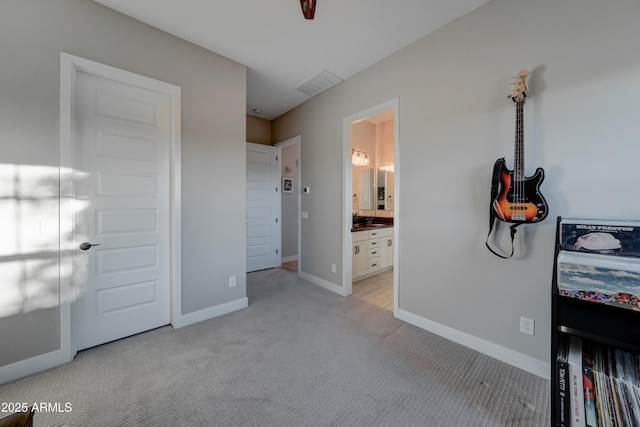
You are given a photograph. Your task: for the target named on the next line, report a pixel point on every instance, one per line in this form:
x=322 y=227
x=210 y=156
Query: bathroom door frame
x=296 y=140
x=347 y=123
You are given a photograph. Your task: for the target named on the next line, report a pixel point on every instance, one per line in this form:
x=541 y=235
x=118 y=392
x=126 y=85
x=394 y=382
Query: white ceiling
x=282 y=50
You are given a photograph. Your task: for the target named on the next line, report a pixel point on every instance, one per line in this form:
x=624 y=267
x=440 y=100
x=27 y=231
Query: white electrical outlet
x=333 y=268
x=232 y=281
x=527 y=326
x=305 y=215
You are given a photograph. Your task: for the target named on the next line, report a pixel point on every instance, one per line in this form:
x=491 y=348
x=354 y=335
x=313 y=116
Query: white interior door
x=263 y=207
x=122 y=189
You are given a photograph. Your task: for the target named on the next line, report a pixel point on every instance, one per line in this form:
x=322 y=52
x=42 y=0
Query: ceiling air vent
x=319 y=83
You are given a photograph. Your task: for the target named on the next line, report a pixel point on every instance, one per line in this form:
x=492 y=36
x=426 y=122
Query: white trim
x=176 y=207
x=397 y=223
x=347 y=219
x=290 y=258
x=286 y=143
x=513 y=358
x=322 y=283
x=66 y=206
x=347 y=122
x=215 y=311
x=69 y=67
x=35 y=364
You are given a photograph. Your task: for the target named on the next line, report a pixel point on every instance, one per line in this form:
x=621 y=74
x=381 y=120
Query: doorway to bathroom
x=289 y=153
x=371 y=205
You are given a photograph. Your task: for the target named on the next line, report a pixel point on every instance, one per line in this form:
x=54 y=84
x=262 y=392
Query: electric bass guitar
x=517 y=198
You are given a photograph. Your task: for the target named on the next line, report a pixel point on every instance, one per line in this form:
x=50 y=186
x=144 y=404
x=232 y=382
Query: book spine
x=562 y=393
x=575 y=374
x=589 y=390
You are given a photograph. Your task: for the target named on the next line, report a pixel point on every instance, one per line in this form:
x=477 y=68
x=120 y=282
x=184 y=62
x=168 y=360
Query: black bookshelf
x=600 y=323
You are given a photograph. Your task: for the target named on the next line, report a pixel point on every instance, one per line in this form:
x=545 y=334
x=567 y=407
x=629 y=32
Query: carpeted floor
x=297 y=356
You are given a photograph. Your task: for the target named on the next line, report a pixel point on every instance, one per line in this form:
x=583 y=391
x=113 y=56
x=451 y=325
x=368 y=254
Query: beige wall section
x=33 y=33
x=581 y=125
x=258 y=130
x=384 y=144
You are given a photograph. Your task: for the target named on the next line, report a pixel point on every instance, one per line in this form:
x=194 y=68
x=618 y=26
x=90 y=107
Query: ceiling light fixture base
x=308 y=8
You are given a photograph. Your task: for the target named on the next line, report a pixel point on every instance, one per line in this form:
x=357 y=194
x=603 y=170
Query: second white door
x=263 y=207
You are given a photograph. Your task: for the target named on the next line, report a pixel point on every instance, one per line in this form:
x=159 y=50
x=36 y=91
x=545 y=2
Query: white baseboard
x=513 y=358
x=323 y=283
x=43 y=362
x=33 y=365
x=215 y=311
x=290 y=258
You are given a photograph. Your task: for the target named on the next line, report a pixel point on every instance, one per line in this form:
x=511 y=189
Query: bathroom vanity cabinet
x=372 y=251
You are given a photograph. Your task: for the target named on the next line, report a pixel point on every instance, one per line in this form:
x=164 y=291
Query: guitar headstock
x=520 y=88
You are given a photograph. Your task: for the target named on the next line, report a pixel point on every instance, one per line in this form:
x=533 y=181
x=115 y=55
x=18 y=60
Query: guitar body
x=518 y=201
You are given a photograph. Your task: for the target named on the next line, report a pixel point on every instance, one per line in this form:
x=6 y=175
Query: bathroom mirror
x=366 y=186
x=384 y=194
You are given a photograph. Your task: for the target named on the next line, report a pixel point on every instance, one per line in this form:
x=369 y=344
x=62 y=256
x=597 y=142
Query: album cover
x=600 y=278
x=598 y=236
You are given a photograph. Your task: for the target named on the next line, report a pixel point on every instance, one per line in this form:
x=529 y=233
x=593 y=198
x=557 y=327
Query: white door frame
x=287 y=143
x=347 y=221
x=69 y=67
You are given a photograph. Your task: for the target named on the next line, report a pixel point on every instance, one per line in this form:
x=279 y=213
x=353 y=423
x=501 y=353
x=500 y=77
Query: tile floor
x=377 y=290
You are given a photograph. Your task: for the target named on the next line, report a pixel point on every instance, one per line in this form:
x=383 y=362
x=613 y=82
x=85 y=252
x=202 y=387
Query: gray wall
x=33 y=33
x=581 y=125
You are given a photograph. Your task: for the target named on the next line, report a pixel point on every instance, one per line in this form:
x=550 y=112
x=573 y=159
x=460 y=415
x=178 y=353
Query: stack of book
x=598 y=385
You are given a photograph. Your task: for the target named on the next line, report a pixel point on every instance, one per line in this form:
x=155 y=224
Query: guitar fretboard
x=518 y=157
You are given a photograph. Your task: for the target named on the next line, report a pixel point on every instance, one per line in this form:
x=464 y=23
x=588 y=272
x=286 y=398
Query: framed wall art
x=287 y=184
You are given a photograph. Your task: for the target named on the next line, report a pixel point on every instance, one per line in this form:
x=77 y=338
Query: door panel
x=263 y=207
x=122 y=188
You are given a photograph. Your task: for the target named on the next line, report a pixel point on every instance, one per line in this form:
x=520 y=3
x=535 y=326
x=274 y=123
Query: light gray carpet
x=297 y=356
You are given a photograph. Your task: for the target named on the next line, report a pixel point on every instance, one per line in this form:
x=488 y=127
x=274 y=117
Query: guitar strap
x=495 y=183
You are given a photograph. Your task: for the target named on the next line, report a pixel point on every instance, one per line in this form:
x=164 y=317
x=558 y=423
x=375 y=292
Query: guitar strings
x=516 y=165
x=519 y=124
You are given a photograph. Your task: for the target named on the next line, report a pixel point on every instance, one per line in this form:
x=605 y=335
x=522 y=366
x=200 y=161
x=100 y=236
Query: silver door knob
x=85 y=246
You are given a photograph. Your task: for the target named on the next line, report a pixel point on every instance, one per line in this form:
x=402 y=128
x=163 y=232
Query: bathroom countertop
x=363 y=227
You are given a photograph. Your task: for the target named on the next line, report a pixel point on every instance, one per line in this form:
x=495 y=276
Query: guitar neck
x=518 y=157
